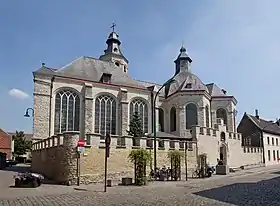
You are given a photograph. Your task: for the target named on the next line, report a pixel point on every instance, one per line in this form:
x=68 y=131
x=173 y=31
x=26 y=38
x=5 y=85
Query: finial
x=183 y=49
x=113 y=26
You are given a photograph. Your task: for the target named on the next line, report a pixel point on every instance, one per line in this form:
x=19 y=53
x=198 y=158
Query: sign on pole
x=81 y=143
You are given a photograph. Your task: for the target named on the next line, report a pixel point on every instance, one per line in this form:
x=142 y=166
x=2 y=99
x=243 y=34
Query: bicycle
x=197 y=173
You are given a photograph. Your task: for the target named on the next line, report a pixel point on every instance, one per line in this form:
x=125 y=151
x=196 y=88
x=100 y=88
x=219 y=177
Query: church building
x=98 y=96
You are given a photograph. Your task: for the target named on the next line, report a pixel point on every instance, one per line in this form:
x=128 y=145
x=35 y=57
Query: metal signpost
x=107 y=154
x=80 y=149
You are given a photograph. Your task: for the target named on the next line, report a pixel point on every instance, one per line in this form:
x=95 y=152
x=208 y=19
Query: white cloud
x=17 y=93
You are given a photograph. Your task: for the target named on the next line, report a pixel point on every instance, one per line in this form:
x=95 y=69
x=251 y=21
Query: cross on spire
x=113 y=26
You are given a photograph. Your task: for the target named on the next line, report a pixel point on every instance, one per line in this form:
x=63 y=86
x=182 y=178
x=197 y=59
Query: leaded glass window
x=222 y=114
x=207 y=116
x=105 y=115
x=173 y=119
x=141 y=108
x=67 y=111
x=191 y=115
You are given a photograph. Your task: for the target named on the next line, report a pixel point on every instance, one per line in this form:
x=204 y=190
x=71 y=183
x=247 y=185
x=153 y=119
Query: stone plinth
x=222 y=169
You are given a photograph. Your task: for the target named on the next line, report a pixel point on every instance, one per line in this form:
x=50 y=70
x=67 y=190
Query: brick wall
x=5 y=143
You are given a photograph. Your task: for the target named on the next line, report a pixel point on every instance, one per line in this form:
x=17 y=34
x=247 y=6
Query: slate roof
x=88 y=68
x=214 y=90
x=266 y=126
x=182 y=79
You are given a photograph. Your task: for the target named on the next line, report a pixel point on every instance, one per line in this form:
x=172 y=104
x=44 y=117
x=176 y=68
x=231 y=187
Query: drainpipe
x=50 y=106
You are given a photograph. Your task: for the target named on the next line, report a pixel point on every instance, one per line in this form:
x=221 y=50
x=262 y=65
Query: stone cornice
x=39 y=94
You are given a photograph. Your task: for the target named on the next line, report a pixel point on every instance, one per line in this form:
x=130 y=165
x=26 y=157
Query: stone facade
x=56 y=158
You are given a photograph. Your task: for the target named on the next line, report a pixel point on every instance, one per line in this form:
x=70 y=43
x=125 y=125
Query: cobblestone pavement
x=248 y=189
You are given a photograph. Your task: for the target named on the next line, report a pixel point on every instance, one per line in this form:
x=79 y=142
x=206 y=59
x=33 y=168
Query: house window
x=272 y=141
x=141 y=108
x=277 y=155
x=268 y=154
x=67 y=111
x=274 y=156
x=267 y=140
x=105 y=115
x=276 y=141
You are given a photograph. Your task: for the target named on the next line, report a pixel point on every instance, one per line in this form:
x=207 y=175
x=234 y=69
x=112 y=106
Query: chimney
x=257 y=114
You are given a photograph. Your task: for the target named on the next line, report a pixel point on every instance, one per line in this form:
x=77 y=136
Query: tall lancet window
x=105 y=115
x=191 y=115
x=207 y=116
x=173 y=119
x=139 y=106
x=67 y=111
x=222 y=113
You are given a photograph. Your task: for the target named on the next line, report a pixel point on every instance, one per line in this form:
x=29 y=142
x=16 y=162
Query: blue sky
x=232 y=43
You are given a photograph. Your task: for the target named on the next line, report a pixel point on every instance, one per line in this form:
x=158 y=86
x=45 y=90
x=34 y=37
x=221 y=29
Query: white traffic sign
x=80 y=149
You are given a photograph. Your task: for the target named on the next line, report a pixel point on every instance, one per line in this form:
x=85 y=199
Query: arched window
x=67 y=111
x=105 y=115
x=191 y=115
x=207 y=118
x=139 y=106
x=221 y=113
x=172 y=119
x=161 y=119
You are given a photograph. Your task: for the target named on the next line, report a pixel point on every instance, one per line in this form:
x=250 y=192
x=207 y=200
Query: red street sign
x=81 y=143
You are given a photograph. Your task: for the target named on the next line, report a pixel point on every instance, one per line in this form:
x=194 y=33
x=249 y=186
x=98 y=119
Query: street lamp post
x=27 y=112
x=170 y=81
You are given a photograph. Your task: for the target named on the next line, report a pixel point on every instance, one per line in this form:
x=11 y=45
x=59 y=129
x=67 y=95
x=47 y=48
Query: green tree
x=136 y=126
x=21 y=145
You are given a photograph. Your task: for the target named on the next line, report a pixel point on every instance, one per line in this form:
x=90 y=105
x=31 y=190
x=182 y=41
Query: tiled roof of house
x=5 y=140
x=265 y=125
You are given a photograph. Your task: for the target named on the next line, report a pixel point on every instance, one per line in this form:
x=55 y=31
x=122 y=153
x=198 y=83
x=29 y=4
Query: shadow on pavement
x=265 y=192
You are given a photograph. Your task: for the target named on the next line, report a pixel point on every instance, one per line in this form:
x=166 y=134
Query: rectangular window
x=267 y=140
x=277 y=141
x=268 y=154
x=277 y=155
x=190 y=146
x=274 y=156
x=272 y=141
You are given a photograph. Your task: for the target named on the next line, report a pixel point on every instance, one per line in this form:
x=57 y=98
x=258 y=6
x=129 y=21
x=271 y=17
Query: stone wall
x=56 y=157
x=210 y=141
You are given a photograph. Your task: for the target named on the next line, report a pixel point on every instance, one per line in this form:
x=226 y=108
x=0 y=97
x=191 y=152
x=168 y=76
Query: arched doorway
x=223 y=153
